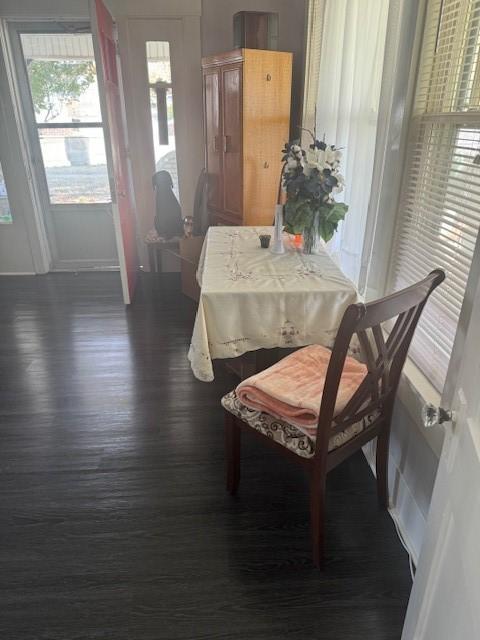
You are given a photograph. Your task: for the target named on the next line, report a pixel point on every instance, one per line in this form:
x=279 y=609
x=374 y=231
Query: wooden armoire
x=247 y=96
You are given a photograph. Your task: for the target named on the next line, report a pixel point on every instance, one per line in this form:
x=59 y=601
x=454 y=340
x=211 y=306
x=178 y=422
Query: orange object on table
x=298 y=240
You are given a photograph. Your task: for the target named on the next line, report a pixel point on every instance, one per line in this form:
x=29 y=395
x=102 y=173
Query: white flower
x=308 y=168
x=339 y=187
x=321 y=159
x=330 y=156
x=312 y=161
x=313 y=165
x=296 y=151
x=312 y=156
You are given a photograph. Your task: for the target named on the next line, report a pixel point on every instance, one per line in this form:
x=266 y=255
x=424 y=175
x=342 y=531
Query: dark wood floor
x=114 y=522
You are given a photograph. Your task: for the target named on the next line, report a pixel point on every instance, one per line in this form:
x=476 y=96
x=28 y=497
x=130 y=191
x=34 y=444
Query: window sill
x=414 y=391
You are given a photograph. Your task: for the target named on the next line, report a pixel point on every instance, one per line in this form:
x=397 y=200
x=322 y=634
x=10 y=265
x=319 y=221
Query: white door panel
x=445 y=599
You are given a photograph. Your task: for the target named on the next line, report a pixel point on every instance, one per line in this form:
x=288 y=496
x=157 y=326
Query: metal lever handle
x=433 y=416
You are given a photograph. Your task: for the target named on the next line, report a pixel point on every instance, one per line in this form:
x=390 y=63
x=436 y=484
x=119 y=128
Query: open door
x=112 y=103
x=445 y=599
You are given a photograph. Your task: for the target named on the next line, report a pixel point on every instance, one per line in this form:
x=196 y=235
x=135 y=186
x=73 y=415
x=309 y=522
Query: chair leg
x=317 y=520
x=232 y=450
x=151 y=258
x=382 y=468
x=159 y=258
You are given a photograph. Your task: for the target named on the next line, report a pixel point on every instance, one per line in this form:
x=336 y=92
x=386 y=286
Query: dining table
x=252 y=299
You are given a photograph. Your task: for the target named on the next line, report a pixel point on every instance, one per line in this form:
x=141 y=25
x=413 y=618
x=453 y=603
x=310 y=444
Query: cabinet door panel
x=232 y=139
x=213 y=138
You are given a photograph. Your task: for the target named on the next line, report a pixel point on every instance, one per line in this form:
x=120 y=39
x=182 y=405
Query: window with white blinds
x=439 y=214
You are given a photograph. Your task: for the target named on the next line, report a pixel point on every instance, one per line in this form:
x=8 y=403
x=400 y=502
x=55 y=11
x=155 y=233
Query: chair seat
x=287 y=434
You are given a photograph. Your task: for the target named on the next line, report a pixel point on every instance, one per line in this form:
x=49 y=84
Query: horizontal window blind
x=439 y=214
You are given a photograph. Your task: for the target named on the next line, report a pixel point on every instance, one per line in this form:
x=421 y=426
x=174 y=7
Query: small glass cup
x=265 y=240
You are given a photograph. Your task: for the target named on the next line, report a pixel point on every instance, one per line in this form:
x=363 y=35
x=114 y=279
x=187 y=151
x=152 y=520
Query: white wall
x=31 y=9
x=412 y=469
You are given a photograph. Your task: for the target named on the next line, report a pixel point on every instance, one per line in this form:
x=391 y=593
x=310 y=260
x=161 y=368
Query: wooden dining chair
x=366 y=415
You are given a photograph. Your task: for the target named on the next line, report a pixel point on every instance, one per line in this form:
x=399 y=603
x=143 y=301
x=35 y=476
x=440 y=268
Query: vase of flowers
x=311 y=179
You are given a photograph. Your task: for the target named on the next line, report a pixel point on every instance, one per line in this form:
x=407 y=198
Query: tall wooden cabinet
x=247 y=96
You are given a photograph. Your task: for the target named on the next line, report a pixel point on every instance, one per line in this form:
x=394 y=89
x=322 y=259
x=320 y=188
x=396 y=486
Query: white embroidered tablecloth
x=252 y=299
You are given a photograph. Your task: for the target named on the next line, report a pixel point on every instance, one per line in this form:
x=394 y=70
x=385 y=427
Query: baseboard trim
x=405 y=536
x=78 y=269
x=17 y=273
x=402 y=489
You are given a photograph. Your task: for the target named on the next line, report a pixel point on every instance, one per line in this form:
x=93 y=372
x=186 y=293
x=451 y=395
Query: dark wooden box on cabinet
x=247 y=96
x=255 y=30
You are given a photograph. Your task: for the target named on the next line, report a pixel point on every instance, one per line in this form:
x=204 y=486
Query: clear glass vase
x=312 y=242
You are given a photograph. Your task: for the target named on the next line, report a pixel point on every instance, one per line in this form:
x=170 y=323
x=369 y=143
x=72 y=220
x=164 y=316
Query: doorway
x=57 y=81
x=163 y=96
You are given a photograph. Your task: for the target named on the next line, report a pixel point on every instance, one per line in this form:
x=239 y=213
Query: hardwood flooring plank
x=114 y=521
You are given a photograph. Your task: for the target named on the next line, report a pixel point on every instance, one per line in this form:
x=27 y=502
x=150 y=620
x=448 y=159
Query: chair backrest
x=384 y=357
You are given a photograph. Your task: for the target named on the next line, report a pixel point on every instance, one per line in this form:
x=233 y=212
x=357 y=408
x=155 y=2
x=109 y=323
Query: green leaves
x=331 y=216
x=336 y=211
x=301 y=213
x=298 y=213
x=54 y=83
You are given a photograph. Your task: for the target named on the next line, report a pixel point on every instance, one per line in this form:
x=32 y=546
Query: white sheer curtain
x=349 y=85
x=313 y=47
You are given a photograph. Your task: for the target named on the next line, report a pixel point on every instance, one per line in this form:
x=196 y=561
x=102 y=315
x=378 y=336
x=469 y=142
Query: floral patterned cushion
x=284 y=433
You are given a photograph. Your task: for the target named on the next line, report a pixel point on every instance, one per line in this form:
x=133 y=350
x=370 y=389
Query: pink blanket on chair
x=291 y=389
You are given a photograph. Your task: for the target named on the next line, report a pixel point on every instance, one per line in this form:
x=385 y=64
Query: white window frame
x=404 y=36
x=34 y=222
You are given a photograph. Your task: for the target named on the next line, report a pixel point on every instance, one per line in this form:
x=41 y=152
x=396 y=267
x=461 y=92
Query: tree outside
x=55 y=84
